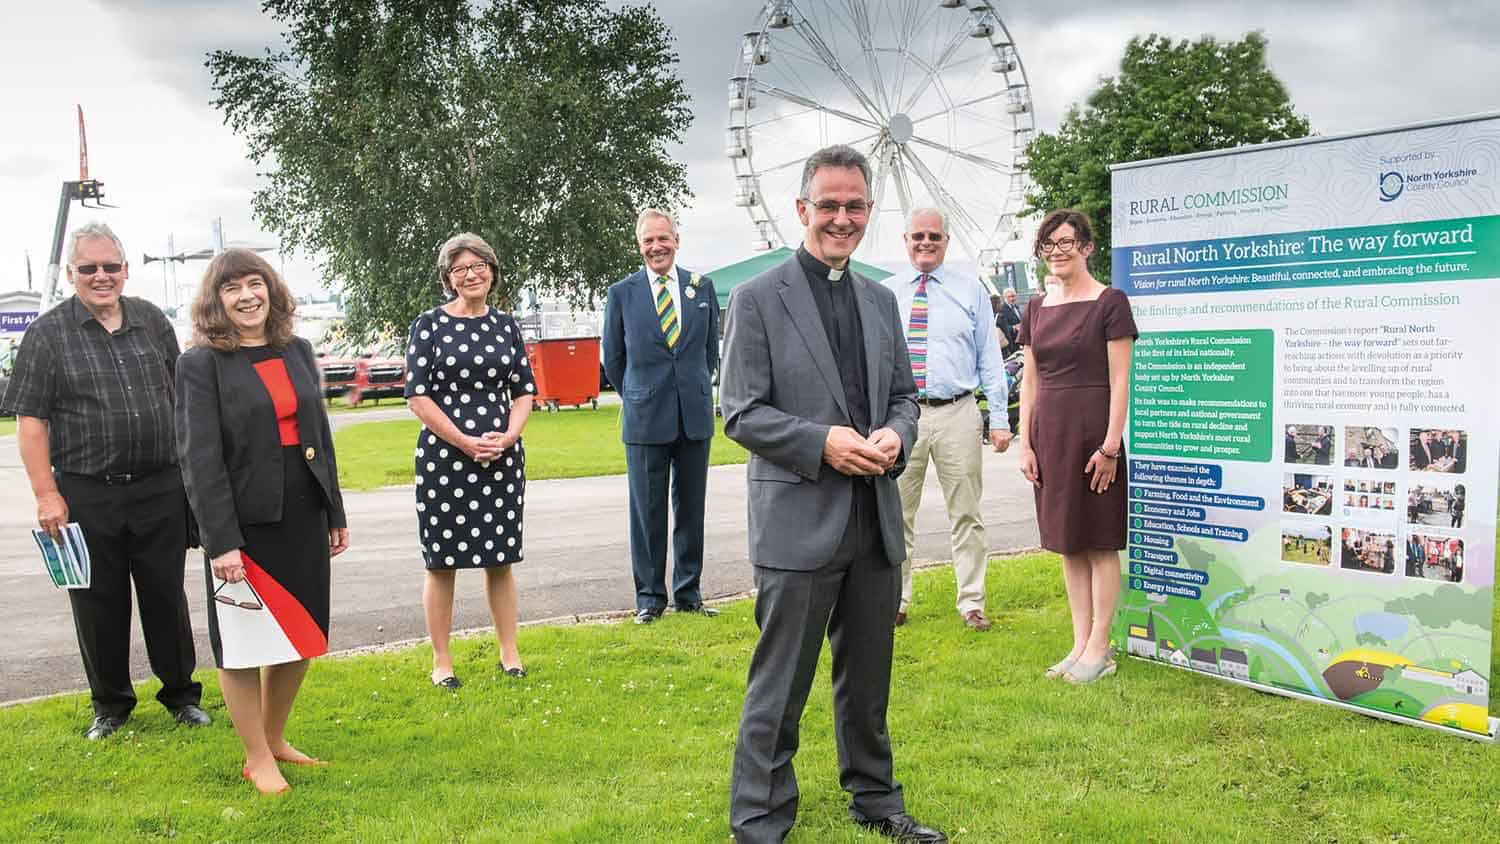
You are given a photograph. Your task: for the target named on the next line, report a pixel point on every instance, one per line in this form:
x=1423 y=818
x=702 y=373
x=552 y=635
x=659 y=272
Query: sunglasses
x=91 y=269
x=918 y=237
x=231 y=602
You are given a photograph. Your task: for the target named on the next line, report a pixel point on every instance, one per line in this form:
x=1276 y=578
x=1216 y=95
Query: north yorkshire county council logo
x=1391 y=185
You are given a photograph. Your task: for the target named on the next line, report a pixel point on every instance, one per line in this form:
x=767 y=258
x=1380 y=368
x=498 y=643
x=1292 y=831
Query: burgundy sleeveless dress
x=1071 y=417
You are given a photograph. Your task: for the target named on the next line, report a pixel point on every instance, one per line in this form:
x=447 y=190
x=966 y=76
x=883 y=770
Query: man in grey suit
x=817 y=385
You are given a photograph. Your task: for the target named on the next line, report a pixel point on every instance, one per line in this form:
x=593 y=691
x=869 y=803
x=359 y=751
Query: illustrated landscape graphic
x=1409 y=648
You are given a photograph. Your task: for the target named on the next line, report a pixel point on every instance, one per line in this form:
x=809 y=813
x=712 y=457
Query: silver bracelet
x=1115 y=456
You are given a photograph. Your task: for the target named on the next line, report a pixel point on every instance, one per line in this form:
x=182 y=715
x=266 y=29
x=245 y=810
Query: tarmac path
x=575 y=565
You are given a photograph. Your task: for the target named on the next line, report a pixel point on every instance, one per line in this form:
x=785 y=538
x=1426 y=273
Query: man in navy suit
x=661 y=348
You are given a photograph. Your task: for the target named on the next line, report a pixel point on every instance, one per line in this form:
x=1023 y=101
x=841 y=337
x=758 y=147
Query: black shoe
x=191 y=716
x=648 y=615
x=905 y=829
x=518 y=672
x=698 y=609
x=450 y=683
x=104 y=726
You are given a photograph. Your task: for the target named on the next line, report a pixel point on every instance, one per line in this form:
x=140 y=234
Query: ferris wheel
x=932 y=91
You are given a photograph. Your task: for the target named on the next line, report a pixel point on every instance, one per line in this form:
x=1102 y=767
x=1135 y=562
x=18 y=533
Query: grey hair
x=461 y=242
x=943 y=218
x=93 y=228
x=838 y=155
x=1007 y=290
x=653 y=214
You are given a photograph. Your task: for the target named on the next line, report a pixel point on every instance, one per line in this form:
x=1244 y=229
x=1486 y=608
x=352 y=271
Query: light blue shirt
x=963 y=351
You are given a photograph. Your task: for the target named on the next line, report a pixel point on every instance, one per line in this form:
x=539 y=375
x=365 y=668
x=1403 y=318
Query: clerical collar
x=817 y=269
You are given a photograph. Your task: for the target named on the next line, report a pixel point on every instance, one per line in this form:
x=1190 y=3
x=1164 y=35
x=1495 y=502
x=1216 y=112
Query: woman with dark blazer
x=257 y=460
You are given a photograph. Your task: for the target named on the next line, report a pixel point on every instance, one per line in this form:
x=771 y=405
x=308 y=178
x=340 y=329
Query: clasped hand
x=488 y=446
x=851 y=454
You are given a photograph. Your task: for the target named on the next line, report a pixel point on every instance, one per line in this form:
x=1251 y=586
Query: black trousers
x=675 y=472
x=135 y=532
x=854 y=598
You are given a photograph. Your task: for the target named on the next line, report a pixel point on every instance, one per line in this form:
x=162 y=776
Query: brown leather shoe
x=900 y=617
x=976 y=621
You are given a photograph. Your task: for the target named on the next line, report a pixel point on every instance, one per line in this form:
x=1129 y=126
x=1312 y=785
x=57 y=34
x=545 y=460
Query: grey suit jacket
x=781 y=392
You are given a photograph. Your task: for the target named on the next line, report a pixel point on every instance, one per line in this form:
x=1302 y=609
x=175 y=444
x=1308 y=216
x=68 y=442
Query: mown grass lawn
x=7 y=426
x=624 y=734
x=568 y=444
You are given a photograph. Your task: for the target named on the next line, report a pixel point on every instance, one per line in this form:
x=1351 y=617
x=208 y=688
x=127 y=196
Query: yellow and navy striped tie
x=666 y=314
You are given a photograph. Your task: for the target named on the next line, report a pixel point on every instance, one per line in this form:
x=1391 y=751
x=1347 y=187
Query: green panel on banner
x=1203 y=394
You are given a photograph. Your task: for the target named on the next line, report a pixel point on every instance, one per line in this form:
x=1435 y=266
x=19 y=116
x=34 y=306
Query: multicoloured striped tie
x=666 y=313
x=916 y=336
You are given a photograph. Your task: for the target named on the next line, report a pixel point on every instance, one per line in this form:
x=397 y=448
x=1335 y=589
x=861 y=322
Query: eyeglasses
x=464 y=269
x=91 y=269
x=231 y=602
x=918 y=237
x=1062 y=247
x=829 y=208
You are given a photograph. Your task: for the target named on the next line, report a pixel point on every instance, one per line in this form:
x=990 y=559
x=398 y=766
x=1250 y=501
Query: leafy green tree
x=386 y=126
x=1168 y=99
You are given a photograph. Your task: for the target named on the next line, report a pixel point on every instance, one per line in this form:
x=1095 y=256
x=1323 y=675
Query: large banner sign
x=1315 y=416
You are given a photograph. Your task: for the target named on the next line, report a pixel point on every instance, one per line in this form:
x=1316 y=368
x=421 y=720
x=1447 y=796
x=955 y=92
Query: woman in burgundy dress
x=257 y=461
x=1074 y=400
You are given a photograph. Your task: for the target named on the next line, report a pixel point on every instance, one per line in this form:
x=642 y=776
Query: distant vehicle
x=355 y=375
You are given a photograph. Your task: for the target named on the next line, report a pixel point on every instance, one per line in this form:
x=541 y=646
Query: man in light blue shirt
x=954 y=350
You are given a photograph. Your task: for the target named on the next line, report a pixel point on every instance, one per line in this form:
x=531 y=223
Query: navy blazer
x=665 y=394
x=229 y=446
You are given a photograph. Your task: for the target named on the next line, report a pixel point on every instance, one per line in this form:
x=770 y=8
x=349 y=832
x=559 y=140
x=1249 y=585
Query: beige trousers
x=948 y=438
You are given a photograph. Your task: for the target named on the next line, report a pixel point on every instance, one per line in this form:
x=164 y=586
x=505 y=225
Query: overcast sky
x=136 y=66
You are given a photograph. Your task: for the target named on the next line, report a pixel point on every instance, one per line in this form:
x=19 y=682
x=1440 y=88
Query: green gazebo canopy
x=729 y=277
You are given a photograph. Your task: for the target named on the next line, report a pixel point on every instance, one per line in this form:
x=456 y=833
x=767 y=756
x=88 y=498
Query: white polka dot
x=432 y=493
x=447 y=534
x=473 y=505
x=474 y=337
x=447 y=400
x=451 y=360
x=515 y=378
x=474 y=533
x=458 y=492
x=510 y=487
x=448 y=560
x=443 y=479
x=491 y=350
x=469 y=423
x=486 y=489
x=478 y=360
x=435 y=546
x=473 y=478
x=489 y=545
x=444 y=506
x=489 y=517
x=501 y=556
x=463 y=546
x=510 y=514
x=464 y=398
x=530 y=386
x=463 y=347
x=493 y=372
x=421 y=505
x=482 y=410
x=442 y=452
x=442 y=318
x=505 y=358
x=425 y=334
x=431 y=466
x=419 y=389
x=458 y=326
x=510 y=461
x=412 y=349
x=511 y=542
x=431 y=439
x=432 y=520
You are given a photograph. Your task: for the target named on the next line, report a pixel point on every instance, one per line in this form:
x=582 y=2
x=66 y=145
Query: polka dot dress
x=468 y=513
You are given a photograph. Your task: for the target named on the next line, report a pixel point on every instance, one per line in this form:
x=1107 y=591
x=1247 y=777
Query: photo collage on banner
x=1314 y=437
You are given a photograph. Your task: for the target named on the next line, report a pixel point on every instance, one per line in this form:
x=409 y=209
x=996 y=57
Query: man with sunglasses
x=816 y=384
x=92 y=393
x=953 y=352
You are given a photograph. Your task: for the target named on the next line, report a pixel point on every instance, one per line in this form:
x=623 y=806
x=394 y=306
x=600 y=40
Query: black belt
x=940 y=402
x=120 y=478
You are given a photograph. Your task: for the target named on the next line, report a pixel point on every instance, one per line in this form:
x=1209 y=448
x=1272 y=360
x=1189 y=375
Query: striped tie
x=916 y=336
x=666 y=313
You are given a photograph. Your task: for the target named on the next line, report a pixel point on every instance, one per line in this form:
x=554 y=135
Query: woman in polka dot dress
x=468 y=380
